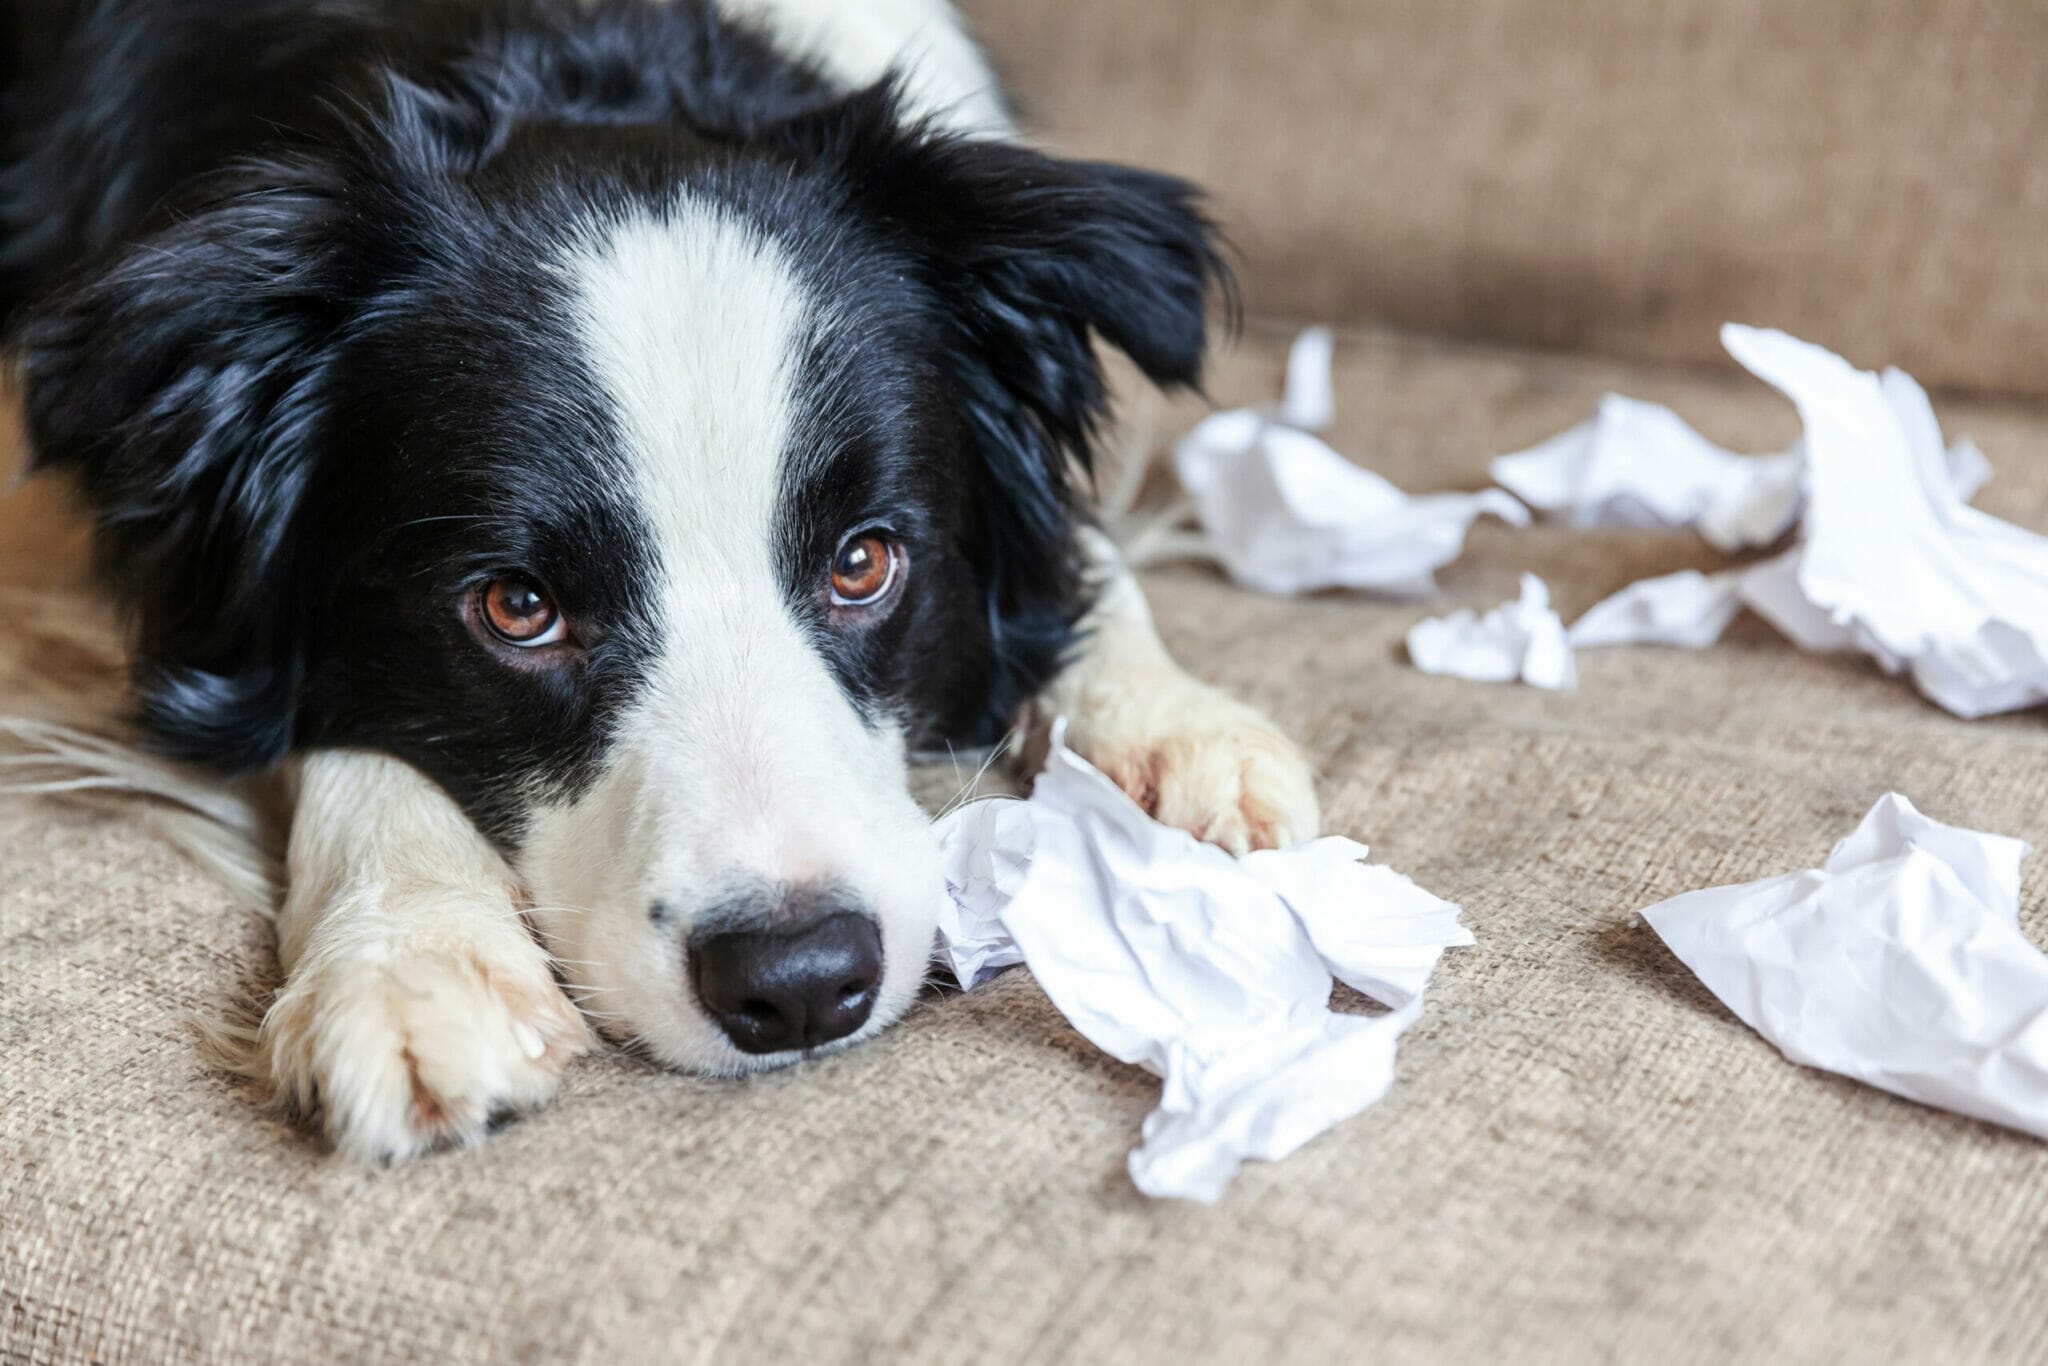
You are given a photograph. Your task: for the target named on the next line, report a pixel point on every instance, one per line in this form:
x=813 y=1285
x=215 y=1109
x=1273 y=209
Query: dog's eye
x=519 y=612
x=864 y=570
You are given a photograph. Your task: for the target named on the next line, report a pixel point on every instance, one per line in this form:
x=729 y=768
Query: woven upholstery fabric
x=1585 y=1154
x=1616 y=176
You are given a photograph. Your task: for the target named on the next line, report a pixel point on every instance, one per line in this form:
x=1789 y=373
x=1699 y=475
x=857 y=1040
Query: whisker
x=961 y=797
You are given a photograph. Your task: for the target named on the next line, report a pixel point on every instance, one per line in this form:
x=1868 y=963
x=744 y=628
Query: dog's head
x=651 y=490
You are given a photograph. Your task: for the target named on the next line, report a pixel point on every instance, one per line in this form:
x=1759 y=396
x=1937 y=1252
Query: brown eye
x=519 y=612
x=863 y=570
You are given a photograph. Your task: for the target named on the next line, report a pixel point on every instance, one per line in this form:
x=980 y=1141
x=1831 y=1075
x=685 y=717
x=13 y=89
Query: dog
x=590 y=447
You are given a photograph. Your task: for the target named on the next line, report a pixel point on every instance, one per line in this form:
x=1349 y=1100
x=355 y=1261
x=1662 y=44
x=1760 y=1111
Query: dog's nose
x=796 y=988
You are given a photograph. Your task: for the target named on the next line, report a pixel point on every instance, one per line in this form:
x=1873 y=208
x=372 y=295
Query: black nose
x=794 y=988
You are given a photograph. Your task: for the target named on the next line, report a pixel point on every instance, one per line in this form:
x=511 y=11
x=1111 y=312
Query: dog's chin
x=700 y=1047
x=711 y=1055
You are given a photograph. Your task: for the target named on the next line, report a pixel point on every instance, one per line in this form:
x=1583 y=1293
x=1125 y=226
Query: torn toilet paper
x=1890 y=558
x=1283 y=513
x=1688 y=609
x=1518 y=640
x=1900 y=962
x=1214 y=973
x=1308 y=395
x=1636 y=464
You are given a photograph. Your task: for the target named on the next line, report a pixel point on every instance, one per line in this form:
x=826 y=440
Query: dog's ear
x=180 y=381
x=1032 y=258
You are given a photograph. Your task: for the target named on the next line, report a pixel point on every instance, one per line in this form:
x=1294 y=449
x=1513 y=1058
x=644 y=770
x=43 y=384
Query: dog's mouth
x=637 y=1048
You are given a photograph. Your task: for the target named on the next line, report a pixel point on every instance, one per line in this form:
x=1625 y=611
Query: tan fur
x=1191 y=755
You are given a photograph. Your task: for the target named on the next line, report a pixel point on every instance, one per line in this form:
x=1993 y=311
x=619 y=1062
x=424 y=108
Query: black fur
x=278 y=272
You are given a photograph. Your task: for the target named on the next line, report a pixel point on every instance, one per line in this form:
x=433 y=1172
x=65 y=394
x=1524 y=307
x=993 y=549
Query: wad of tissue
x=1212 y=972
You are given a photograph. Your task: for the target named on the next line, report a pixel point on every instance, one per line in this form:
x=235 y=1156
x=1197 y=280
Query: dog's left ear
x=1038 y=252
x=1044 y=251
x=1032 y=258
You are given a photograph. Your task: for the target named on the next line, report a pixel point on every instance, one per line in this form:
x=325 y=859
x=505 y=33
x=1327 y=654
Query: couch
x=1507 y=208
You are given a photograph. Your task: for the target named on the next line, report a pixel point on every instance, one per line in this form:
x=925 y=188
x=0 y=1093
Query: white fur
x=743 y=759
x=1192 y=755
x=416 y=1004
x=857 y=42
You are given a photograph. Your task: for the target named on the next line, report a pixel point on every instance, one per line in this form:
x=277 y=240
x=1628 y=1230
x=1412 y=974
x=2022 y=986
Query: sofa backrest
x=1612 y=175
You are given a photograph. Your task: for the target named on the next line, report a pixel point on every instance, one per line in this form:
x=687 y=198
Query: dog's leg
x=1190 y=754
x=416 y=1005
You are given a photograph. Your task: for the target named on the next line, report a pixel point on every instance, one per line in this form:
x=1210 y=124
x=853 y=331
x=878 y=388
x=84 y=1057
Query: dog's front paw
x=1195 y=757
x=417 y=1038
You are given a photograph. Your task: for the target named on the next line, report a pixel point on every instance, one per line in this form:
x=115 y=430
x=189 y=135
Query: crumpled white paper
x=1636 y=464
x=1213 y=972
x=1688 y=609
x=1900 y=962
x=1523 y=639
x=1890 y=559
x=1283 y=513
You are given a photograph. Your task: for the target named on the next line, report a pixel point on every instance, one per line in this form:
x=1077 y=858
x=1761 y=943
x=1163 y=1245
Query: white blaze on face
x=741 y=764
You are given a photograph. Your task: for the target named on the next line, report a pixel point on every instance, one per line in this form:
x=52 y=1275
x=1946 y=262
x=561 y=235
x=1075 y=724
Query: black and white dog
x=595 y=444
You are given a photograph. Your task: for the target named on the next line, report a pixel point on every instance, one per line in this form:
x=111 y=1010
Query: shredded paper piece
x=1518 y=640
x=1635 y=464
x=1212 y=972
x=1639 y=465
x=1687 y=609
x=1283 y=513
x=1892 y=561
x=1889 y=559
x=1900 y=962
x=1308 y=399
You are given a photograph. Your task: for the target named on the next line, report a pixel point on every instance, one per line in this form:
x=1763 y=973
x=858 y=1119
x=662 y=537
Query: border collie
x=589 y=446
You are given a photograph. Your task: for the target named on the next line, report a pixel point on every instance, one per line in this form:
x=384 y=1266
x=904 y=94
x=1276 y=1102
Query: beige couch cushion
x=1617 y=176
x=1585 y=1153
